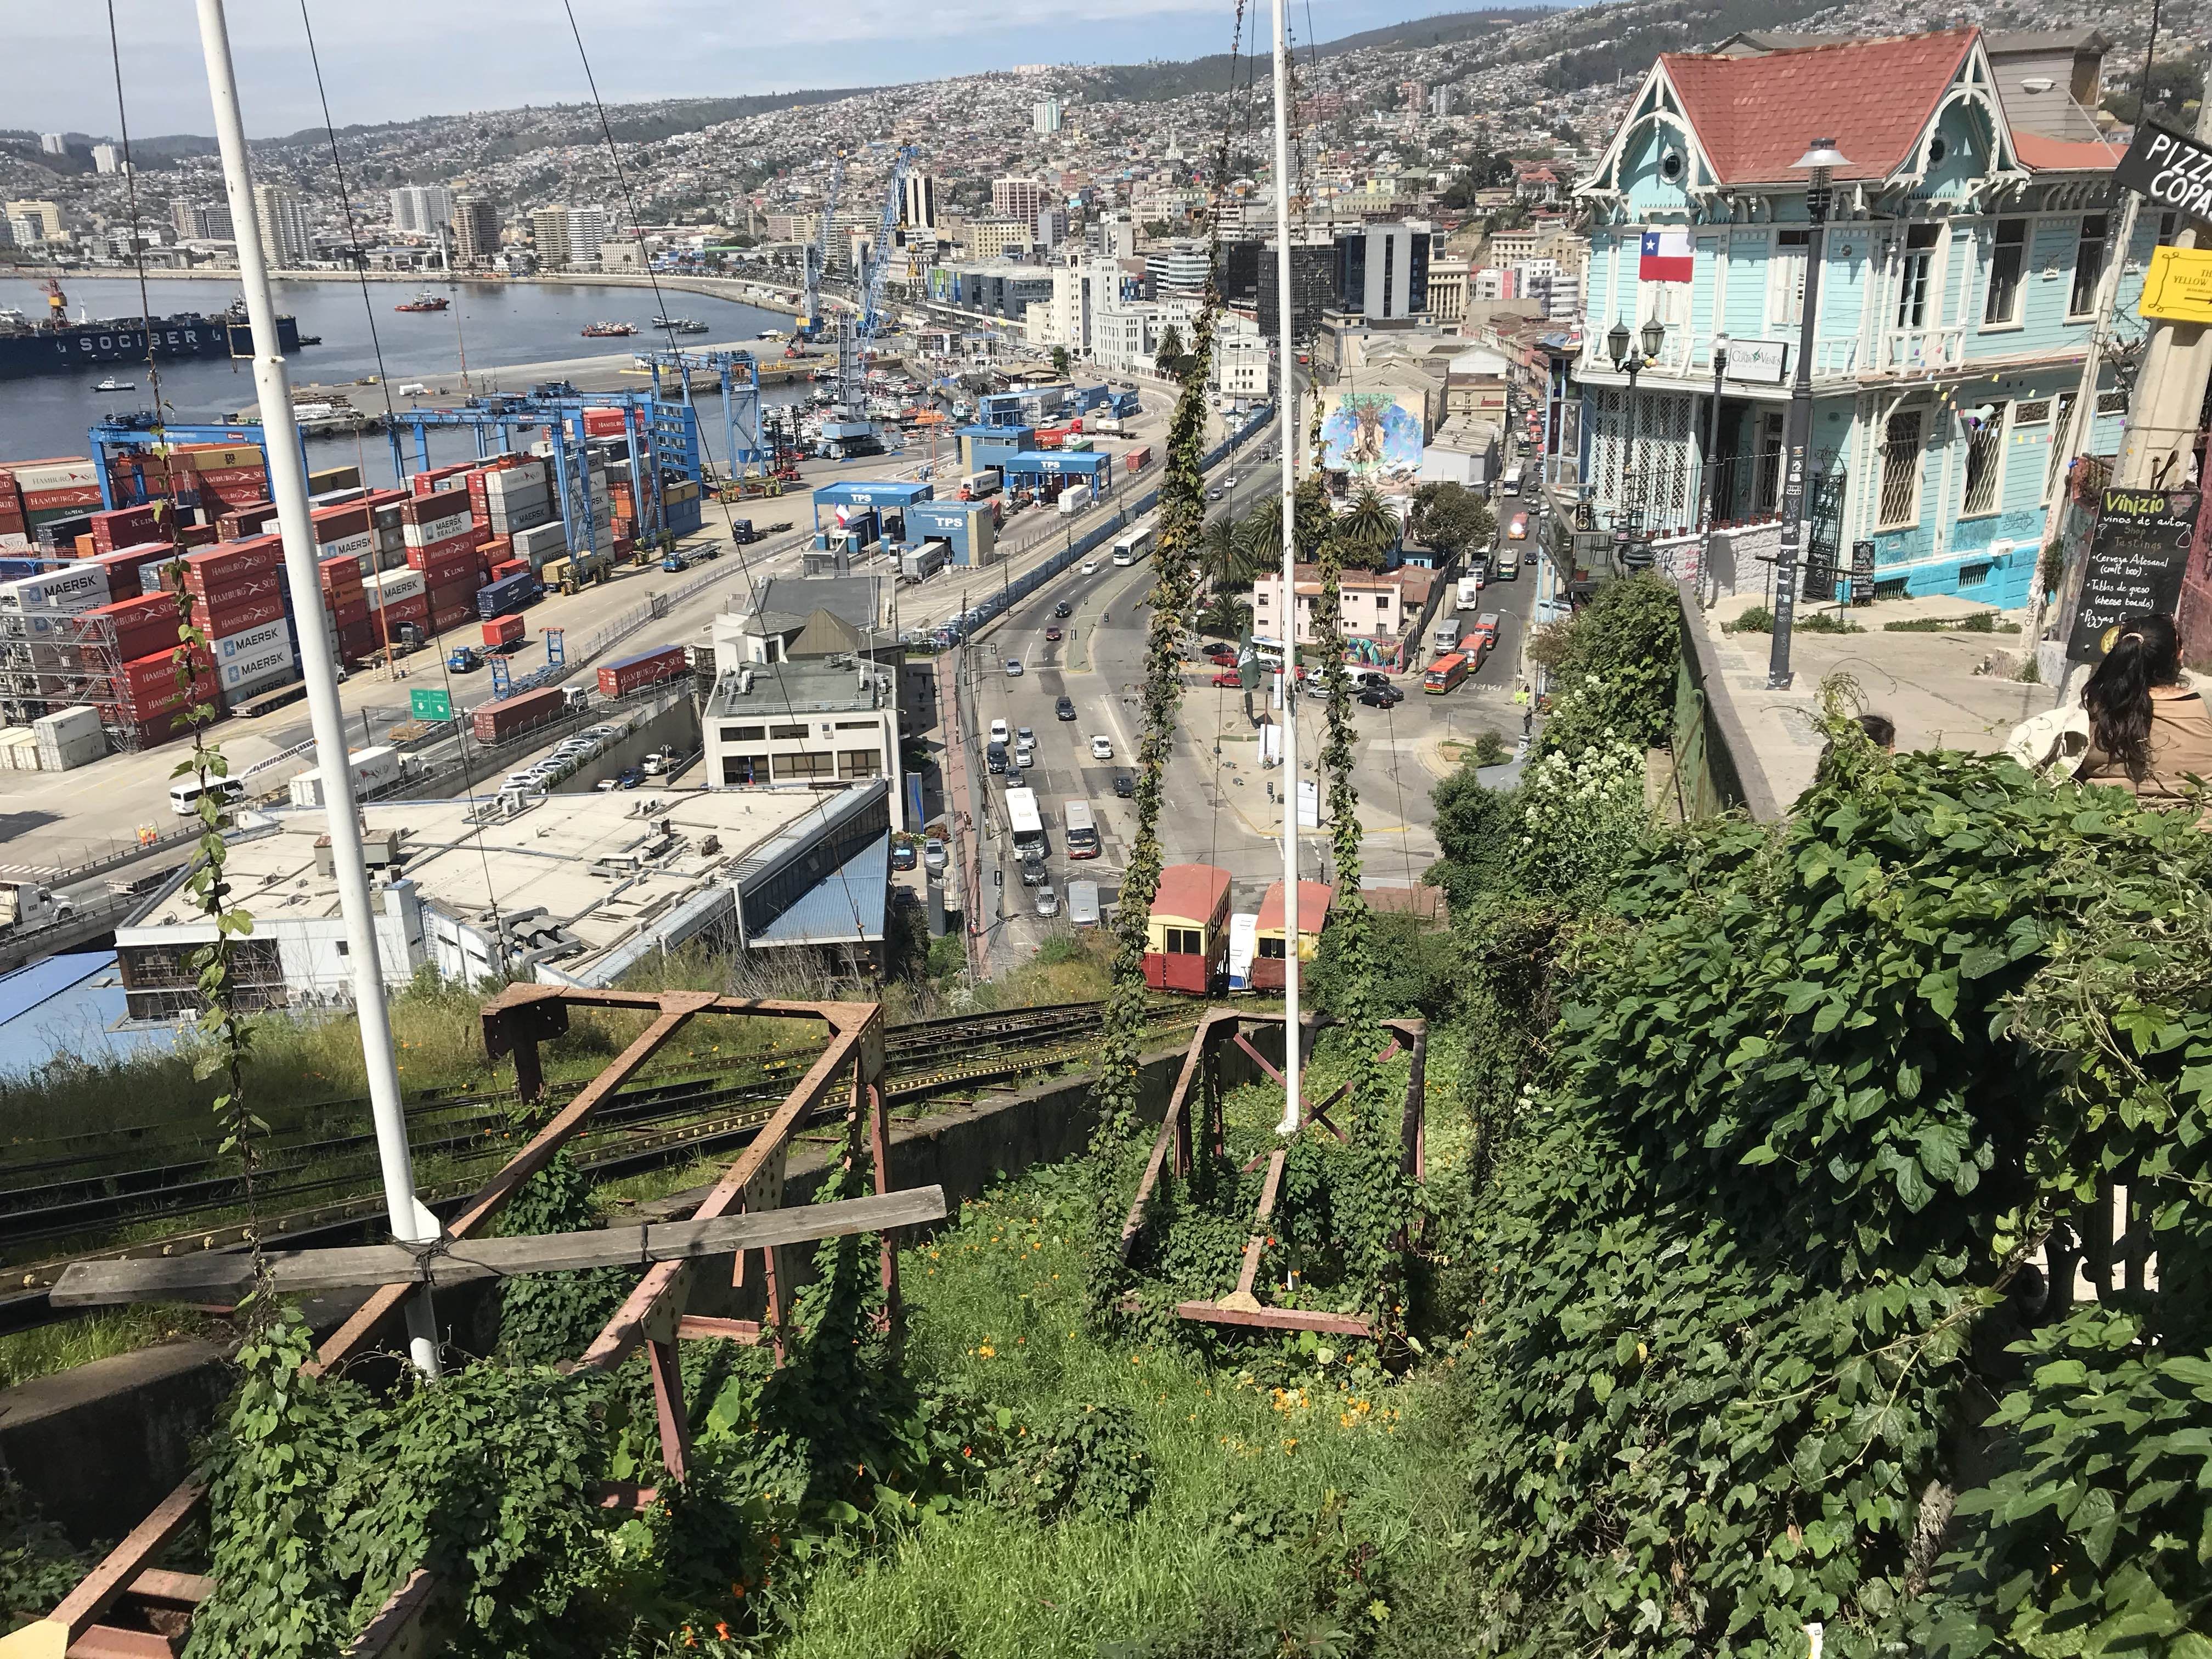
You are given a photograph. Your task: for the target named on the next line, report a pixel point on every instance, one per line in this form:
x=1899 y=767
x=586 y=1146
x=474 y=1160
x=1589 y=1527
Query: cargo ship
x=63 y=347
x=425 y=301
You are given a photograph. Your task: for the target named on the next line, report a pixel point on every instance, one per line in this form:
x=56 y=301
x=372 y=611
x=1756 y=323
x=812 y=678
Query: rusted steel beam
x=53 y=1636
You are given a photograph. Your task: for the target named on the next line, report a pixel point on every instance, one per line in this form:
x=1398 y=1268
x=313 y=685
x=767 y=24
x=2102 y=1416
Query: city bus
x=1082 y=830
x=1132 y=547
x=1444 y=673
x=1028 y=827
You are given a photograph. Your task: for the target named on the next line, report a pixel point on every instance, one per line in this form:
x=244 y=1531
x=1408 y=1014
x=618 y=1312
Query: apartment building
x=475 y=230
x=200 y=222
x=421 y=210
x=1019 y=200
x=282 y=225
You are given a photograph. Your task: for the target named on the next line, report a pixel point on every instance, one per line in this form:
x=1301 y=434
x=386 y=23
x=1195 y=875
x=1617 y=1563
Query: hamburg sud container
x=629 y=674
x=496 y=722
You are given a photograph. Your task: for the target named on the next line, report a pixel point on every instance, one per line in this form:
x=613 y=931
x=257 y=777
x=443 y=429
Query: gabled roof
x=1190 y=892
x=1315 y=898
x=1755 y=116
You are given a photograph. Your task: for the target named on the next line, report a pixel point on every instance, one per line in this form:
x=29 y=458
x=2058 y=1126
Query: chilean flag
x=1665 y=257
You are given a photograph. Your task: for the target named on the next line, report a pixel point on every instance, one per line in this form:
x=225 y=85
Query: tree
x=1451 y=519
x=1225 y=617
x=1059 y=362
x=1170 y=350
x=1222 y=559
x=1368 y=532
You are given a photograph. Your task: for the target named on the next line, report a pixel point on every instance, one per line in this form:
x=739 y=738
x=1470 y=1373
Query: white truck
x=373 y=769
x=1470 y=593
x=26 y=907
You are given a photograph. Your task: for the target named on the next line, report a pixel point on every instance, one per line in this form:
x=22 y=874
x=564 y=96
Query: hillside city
x=1447 y=905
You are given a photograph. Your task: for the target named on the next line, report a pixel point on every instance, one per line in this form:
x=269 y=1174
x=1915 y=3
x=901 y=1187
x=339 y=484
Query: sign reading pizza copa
x=2171 y=169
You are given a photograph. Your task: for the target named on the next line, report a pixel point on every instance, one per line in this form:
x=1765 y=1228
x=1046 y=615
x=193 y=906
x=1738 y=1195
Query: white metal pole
x=1286 y=418
x=288 y=485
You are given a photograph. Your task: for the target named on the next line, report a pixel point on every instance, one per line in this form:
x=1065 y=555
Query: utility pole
x=2162 y=423
x=410 y=1223
x=1293 y=1109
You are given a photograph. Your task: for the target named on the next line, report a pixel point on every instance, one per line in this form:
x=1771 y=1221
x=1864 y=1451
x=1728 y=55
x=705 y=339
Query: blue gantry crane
x=741 y=454
x=818 y=257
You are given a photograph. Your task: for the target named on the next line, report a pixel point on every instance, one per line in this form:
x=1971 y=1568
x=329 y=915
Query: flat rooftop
x=600 y=871
x=805 y=686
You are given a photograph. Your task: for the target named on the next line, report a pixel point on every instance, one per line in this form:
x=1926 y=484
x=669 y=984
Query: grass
x=46 y=1349
x=1979 y=621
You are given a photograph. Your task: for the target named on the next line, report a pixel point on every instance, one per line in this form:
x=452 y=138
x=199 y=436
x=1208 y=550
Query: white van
x=184 y=796
x=1510 y=483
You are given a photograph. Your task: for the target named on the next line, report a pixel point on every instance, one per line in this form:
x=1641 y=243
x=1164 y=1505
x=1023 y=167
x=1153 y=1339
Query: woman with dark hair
x=2149 y=729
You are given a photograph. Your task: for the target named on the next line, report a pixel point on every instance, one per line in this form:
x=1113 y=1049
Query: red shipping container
x=434 y=479
x=237 y=619
x=121 y=526
x=414 y=610
x=249 y=520
x=603 y=422
x=506 y=567
x=502 y=633
x=334 y=523
x=496 y=722
x=341 y=574
x=146 y=677
x=460 y=566
x=352 y=613
x=357 y=640
x=450 y=617
x=452 y=593
x=619 y=679
x=45 y=501
x=448 y=555
x=427 y=506
x=227 y=561
x=268 y=585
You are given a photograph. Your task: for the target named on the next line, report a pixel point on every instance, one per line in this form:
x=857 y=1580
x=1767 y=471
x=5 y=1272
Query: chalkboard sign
x=2135 y=564
x=1861 y=573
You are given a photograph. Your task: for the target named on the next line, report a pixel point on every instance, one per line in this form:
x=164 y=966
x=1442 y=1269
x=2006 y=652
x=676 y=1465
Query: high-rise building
x=1440 y=101
x=1051 y=228
x=200 y=222
x=1046 y=116
x=282 y=225
x=1313 y=288
x=107 y=158
x=44 y=213
x=54 y=144
x=918 y=202
x=588 y=227
x=1180 y=272
x=549 y=233
x=1018 y=198
x=475 y=230
x=419 y=209
x=1383 y=269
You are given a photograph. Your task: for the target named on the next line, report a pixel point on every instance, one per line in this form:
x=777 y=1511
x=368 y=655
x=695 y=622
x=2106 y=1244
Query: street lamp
x=1631 y=361
x=1819 y=164
x=1707 y=505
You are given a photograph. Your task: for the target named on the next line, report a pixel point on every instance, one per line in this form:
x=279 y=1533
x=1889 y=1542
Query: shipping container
x=325 y=479
x=508 y=594
x=496 y=722
x=251 y=644
x=374 y=770
x=392 y=586
x=122 y=527
x=1137 y=459
x=445 y=619
x=72 y=588
x=628 y=674
x=260 y=669
x=502 y=633
x=232 y=596
x=245 y=617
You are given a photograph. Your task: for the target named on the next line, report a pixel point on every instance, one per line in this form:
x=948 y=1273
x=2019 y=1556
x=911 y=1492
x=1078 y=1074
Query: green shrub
x=1087 y=1459
x=1490 y=748
x=1753 y=619
x=1615 y=666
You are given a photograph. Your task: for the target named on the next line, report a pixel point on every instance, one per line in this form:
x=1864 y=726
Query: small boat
x=609 y=330
x=311 y=339
x=426 y=301
x=111 y=384
x=691 y=325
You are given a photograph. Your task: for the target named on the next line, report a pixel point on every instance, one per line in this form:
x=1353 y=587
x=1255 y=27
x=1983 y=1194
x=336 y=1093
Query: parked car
x=999 y=731
x=1024 y=738
x=1048 y=902
x=1102 y=747
x=903 y=857
x=1223 y=653
x=1064 y=709
x=1124 y=786
x=995 y=757
x=1013 y=668
x=630 y=777
x=1063 y=609
x=602 y=733
x=1381 y=697
x=933 y=856
x=1052 y=636
x=605 y=784
x=1229 y=677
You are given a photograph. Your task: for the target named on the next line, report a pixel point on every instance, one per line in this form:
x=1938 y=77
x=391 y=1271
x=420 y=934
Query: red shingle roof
x=1756 y=116
x=2060 y=155
x=1190 y=892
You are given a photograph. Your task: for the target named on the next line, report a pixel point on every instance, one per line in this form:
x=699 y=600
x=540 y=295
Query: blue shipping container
x=508 y=594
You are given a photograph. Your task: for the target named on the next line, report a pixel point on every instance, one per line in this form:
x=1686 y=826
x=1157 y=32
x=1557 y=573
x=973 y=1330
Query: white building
x=1179 y=270
x=282 y=224
x=918 y=202
x=52 y=144
x=1125 y=339
x=1046 y=116
x=1241 y=357
x=1376 y=605
x=107 y=158
x=800 y=708
x=420 y=210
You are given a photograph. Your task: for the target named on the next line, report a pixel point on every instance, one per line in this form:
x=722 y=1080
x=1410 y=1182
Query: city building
x=588 y=227
x=1019 y=200
x=45 y=218
x=107 y=158
x=995 y=238
x=475 y=230
x=1180 y=268
x=1383 y=269
x=1440 y=101
x=573 y=889
x=999 y=289
x=420 y=210
x=1959 y=287
x=1242 y=356
x=1046 y=116
x=52 y=144
x=824 y=723
x=918 y=201
x=549 y=235
x=1051 y=228
x=1313 y=287
x=282 y=225
x=1115 y=235
x=1378 y=605
x=200 y=222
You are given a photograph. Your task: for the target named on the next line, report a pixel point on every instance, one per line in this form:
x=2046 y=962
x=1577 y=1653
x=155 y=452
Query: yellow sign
x=2178 y=286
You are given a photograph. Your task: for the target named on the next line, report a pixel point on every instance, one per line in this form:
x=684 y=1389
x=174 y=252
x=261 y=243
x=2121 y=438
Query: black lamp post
x=1819 y=163
x=1709 y=504
x=1629 y=360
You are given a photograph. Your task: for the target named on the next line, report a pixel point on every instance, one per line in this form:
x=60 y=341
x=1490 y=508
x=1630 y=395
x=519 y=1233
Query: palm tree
x=1222 y=559
x=1370 y=529
x=1261 y=532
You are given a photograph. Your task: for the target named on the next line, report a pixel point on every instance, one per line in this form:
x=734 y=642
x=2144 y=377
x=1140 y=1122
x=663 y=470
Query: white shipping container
x=392 y=585
x=74 y=587
x=56 y=475
x=274 y=663
x=437 y=530
x=254 y=643
x=68 y=725
x=542 y=541
x=373 y=769
x=357 y=546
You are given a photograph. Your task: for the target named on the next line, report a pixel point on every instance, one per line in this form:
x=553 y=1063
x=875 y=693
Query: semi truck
x=26 y=907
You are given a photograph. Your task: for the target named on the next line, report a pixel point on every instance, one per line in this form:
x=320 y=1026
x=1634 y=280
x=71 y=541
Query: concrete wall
x=99 y=1446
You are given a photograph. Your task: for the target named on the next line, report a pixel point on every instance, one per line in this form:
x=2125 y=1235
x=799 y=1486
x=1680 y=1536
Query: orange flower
x=722 y=1630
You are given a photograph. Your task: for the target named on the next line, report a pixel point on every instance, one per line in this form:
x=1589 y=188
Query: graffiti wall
x=1370 y=434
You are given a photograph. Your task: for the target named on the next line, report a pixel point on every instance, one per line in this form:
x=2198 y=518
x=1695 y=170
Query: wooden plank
x=699 y=1326
x=112 y=1641
x=396 y=1632
x=383 y=1302
x=1178 y=1102
x=1249 y=1273
x=108 y=1281
x=626 y=1495
x=186 y=1589
x=621 y=1332
x=1275 y=1319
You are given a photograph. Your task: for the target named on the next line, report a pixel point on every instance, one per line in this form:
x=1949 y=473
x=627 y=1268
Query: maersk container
x=620 y=678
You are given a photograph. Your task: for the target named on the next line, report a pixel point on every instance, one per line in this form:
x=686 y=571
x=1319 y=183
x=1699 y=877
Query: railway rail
x=315 y=1184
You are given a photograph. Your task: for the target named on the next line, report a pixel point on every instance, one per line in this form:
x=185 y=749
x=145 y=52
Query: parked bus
x=1132 y=547
x=1510 y=483
x=1028 y=827
x=1444 y=674
x=1082 y=830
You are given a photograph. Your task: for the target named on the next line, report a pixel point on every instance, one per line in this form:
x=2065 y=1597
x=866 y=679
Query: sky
x=390 y=60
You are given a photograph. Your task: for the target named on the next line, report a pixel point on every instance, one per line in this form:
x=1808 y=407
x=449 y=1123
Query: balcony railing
x=1916 y=351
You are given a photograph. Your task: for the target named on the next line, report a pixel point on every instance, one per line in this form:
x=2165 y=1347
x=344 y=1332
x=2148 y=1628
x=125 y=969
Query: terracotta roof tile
x=1756 y=116
x=2058 y=155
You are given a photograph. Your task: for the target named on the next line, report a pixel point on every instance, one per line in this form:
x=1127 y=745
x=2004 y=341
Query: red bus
x=1444 y=673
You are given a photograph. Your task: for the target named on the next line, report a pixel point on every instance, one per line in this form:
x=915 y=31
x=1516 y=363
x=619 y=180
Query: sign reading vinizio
x=2134 y=565
x=2170 y=168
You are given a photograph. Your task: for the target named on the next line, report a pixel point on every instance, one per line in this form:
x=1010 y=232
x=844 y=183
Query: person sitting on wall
x=2150 y=731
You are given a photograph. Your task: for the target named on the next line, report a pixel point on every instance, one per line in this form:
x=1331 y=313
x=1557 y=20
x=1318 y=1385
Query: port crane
x=57 y=301
x=818 y=257
x=879 y=256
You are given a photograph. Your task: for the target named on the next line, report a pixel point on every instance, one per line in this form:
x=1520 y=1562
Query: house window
x=2088 y=265
x=2008 y=258
x=1913 y=282
x=856 y=726
x=742 y=733
x=858 y=763
x=1984 y=463
x=1973 y=575
x=787 y=733
x=801 y=768
x=1785 y=278
x=1272 y=949
x=1900 y=470
x=2056 y=471
x=1186 y=942
x=741 y=770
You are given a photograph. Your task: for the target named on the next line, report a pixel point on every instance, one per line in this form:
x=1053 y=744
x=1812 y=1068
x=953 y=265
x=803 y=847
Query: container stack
x=444 y=541
x=515 y=493
x=69 y=738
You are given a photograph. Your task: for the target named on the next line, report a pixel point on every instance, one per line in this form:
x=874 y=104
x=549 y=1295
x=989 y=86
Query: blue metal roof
x=848 y=906
x=1046 y=462
x=887 y=492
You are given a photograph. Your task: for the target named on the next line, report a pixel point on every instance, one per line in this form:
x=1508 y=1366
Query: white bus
x=1028 y=827
x=1510 y=483
x=1132 y=547
x=1082 y=830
